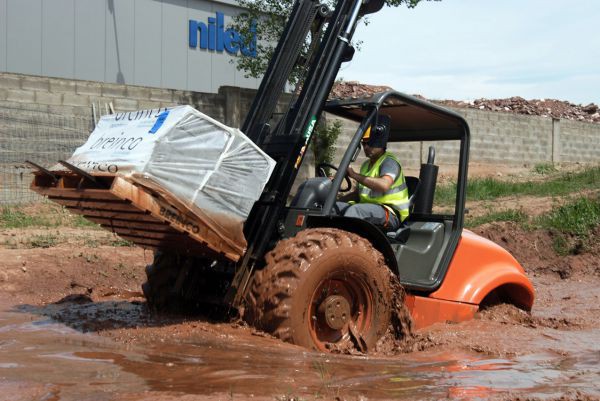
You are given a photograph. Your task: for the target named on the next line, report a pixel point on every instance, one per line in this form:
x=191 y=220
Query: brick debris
x=516 y=104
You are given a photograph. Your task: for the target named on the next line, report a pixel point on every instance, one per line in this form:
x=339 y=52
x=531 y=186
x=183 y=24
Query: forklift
x=309 y=275
x=315 y=278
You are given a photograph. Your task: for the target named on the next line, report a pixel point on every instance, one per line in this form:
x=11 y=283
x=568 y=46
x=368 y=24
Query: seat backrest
x=412 y=183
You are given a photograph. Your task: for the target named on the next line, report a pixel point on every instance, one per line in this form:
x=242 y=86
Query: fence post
x=555 y=158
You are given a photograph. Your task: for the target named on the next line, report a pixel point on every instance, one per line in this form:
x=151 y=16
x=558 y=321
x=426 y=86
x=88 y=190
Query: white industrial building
x=172 y=44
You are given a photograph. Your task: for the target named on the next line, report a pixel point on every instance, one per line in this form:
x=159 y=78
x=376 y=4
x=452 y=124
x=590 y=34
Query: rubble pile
x=544 y=107
x=354 y=89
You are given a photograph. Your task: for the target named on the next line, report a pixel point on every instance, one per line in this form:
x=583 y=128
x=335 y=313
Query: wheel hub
x=336 y=310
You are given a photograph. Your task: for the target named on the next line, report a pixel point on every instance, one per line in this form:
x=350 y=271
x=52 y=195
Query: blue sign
x=214 y=36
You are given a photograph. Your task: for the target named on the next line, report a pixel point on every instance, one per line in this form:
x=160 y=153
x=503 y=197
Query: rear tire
x=325 y=289
x=161 y=277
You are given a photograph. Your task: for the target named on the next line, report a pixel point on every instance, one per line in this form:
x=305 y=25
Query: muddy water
x=42 y=359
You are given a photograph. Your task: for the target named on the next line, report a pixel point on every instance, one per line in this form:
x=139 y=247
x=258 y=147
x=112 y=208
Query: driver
x=382 y=196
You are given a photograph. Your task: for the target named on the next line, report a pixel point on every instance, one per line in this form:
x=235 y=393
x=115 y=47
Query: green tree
x=272 y=15
x=266 y=19
x=323 y=142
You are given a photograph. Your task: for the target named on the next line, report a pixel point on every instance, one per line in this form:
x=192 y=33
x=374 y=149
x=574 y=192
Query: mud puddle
x=43 y=359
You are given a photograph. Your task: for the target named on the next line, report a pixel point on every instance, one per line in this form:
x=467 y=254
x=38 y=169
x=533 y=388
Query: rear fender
x=481 y=268
x=362 y=228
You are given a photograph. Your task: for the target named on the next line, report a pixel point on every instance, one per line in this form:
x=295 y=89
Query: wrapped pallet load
x=195 y=163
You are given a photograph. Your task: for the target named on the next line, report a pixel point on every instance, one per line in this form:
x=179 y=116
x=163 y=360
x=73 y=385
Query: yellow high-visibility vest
x=395 y=198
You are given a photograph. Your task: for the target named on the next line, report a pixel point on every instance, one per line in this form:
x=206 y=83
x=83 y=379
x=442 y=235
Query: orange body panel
x=427 y=311
x=479 y=266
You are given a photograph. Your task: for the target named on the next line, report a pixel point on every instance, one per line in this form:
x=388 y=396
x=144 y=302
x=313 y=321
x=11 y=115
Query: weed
x=89 y=258
x=121 y=242
x=90 y=242
x=561 y=245
x=44 y=215
x=576 y=218
x=544 y=168
x=517 y=216
x=571 y=224
x=81 y=222
x=321 y=370
x=43 y=241
x=10 y=244
x=14 y=218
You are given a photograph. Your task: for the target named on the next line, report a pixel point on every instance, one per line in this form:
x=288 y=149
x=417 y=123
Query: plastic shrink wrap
x=187 y=157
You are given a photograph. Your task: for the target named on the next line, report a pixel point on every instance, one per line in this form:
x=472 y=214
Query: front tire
x=325 y=289
x=161 y=276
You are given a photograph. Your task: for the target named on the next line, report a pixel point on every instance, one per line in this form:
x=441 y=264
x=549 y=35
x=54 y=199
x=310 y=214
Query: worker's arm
x=379 y=184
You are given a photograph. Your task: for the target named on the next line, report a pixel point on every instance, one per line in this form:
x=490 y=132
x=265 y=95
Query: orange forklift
x=309 y=275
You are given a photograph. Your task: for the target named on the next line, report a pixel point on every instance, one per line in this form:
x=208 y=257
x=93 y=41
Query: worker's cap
x=377 y=135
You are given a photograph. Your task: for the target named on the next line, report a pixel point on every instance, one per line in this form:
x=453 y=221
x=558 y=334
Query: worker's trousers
x=371 y=212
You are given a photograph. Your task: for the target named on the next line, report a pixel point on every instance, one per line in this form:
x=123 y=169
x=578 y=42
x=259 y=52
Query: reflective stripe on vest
x=396 y=197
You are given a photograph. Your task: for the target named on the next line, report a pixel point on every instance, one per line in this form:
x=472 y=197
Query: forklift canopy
x=413 y=119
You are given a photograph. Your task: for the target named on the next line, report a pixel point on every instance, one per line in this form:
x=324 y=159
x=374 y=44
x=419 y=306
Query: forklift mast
x=287 y=142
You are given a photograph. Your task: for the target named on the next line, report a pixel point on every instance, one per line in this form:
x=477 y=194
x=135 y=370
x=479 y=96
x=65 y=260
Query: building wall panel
x=24 y=35
x=3 y=35
x=174 y=60
x=136 y=42
x=58 y=38
x=120 y=41
x=148 y=48
x=90 y=39
x=200 y=61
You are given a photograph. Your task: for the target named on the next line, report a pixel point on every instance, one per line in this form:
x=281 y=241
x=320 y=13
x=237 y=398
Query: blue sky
x=467 y=49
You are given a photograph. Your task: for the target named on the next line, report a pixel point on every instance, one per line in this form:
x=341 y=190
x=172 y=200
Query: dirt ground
x=85 y=281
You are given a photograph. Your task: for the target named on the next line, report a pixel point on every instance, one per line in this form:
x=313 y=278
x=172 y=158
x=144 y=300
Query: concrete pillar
x=232 y=105
x=555 y=140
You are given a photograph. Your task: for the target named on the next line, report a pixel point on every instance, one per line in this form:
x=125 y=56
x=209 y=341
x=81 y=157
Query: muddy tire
x=161 y=277
x=325 y=289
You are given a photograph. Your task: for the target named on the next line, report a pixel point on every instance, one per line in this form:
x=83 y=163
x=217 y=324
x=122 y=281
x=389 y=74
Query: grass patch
x=517 y=216
x=41 y=215
x=575 y=218
x=572 y=224
x=121 y=242
x=490 y=188
x=544 y=168
x=43 y=241
x=14 y=218
x=81 y=222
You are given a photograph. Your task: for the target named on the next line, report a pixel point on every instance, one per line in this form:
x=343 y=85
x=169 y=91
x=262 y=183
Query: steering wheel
x=322 y=173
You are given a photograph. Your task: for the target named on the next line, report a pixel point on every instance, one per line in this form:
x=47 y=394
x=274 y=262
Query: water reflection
x=46 y=353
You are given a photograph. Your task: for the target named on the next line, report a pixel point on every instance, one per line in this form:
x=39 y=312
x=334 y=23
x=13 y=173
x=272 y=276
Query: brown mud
x=74 y=326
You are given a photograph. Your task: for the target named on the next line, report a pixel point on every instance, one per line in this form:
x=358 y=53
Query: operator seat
x=402 y=233
x=420 y=195
x=413 y=184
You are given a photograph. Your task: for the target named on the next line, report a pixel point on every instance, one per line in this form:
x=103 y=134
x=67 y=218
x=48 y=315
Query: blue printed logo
x=159 y=122
x=214 y=36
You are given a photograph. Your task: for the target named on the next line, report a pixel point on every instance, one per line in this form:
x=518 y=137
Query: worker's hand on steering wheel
x=322 y=173
x=352 y=174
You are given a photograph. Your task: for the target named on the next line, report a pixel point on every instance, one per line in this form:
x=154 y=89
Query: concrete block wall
x=45 y=119
x=579 y=142
x=508 y=139
x=500 y=139
x=75 y=98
